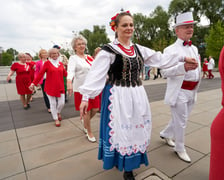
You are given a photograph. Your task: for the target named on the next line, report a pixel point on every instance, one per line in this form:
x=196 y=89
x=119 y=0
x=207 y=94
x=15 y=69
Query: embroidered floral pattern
x=125 y=149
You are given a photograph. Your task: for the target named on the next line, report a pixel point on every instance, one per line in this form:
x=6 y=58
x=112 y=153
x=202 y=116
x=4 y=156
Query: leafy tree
x=8 y=56
x=213 y=10
x=12 y=51
x=7 y=59
x=142 y=34
x=36 y=56
x=153 y=30
x=95 y=39
x=215 y=40
x=163 y=36
x=66 y=52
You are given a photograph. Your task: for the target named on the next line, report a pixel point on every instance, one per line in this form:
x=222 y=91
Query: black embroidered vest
x=125 y=71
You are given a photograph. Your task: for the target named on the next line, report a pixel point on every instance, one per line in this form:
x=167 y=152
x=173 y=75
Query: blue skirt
x=113 y=158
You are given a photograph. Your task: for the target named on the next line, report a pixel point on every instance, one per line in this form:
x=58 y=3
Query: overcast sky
x=29 y=25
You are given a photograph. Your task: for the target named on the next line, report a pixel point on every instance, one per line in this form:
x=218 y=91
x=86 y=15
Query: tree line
x=155 y=30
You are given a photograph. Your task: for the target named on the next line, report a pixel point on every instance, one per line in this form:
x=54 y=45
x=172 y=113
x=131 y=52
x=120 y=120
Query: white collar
x=55 y=62
x=116 y=42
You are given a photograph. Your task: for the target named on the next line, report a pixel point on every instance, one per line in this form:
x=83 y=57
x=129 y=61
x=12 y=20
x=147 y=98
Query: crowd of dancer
x=110 y=81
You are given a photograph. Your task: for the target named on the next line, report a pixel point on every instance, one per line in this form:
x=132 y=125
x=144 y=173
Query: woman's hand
x=83 y=109
x=9 y=79
x=69 y=87
x=31 y=87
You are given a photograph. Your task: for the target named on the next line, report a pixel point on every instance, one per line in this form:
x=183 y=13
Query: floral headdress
x=112 y=22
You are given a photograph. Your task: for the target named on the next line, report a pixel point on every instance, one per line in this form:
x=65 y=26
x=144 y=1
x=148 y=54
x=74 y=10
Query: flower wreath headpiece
x=112 y=22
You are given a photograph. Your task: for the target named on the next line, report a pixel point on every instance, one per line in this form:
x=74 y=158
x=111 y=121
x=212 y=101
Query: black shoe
x=28 y=105
x=128 y=175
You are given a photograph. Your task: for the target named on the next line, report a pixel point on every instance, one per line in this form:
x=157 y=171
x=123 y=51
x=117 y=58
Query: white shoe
x=91 y=139
x=85 y=130
x=183 y=156
x=169 y=141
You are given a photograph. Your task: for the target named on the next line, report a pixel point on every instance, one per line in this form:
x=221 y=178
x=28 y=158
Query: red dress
x=54 y=83
x=217 y=134
x=23 y=77
x=205 y=66
x=32 y=72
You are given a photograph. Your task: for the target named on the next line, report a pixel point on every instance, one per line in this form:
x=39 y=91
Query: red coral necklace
x=129 y=52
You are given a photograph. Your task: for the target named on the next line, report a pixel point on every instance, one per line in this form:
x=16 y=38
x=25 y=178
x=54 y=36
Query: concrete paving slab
x=165 y=159
x=202 y=142
x=7 y=135
x=43 y=139
x=21 y=176
x=11 y=165
x=198 y=171
x=57 y=151
x=204 y=118
x=78 y=167
x=9 y=147
x=160 y=120
x=192 y=127
x=108 y=175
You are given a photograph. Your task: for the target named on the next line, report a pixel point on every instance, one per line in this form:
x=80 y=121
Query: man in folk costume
x=182 y=85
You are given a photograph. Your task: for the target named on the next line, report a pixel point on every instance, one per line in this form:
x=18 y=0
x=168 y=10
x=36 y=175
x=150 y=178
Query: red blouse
x=54 y=83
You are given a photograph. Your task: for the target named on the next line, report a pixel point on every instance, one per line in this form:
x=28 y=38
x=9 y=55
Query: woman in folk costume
x=125 y=126
x=217 y=133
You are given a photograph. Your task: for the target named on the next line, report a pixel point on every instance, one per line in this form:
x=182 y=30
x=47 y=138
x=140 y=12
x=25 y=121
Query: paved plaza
x=32 y=148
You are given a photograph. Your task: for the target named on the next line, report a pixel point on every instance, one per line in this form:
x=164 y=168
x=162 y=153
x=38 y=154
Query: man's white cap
x=185 y=18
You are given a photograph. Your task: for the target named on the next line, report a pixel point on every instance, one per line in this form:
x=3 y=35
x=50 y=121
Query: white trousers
x=56 y=105
x=180 y=113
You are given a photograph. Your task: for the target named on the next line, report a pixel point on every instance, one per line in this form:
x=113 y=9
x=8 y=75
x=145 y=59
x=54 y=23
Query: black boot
x=155 y=77
x=128 y=175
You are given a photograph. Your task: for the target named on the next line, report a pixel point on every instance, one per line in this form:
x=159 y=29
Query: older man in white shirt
x=182 y=86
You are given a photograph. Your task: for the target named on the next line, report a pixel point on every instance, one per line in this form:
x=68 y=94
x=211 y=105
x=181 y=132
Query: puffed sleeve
x=71 y=68
x=14 y=67
x=157 y=59
x=96 y=77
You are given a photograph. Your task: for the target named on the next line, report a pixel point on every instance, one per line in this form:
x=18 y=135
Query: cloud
x=30 y=25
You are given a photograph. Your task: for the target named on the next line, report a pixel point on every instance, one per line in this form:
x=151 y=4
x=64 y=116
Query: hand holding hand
x=190 y=66
x=31 y=87
x=190 y=60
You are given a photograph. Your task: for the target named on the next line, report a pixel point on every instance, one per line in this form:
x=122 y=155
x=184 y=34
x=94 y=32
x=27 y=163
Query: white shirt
x=211 y=64
x=78 y=68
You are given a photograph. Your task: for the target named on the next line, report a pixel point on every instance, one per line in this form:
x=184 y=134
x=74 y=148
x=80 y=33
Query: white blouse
x=96 y=78
x=78 y=68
